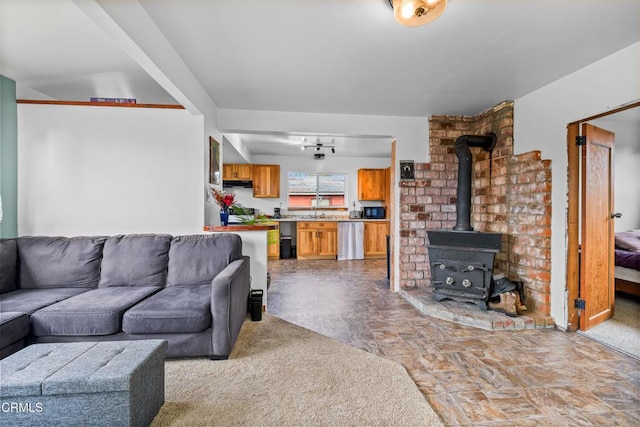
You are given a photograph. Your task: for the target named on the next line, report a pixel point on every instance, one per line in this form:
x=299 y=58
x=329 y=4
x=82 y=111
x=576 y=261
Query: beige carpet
x=282 y=374
x=622 y=331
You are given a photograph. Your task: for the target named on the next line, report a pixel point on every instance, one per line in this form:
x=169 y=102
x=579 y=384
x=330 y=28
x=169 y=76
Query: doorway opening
x=591 y=296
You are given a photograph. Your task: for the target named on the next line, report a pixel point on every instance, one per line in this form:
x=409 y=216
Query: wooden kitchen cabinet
x=306 y=244
x=237 y=171
x=317 y=240
x=273 y=241
x=375 y=239
x=387 y=194
x=372 y=184
x=266 y=181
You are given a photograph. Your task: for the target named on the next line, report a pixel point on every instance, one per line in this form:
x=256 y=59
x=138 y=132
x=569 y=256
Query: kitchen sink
x=310 y=217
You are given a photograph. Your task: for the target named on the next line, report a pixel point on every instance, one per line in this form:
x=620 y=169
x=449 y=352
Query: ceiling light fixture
x=318 y=146
x=413 y=13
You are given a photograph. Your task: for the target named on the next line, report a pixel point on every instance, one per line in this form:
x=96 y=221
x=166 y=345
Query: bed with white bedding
x=627 y=262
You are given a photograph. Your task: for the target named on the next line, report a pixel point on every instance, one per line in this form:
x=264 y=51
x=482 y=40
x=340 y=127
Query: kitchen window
x=316 y=190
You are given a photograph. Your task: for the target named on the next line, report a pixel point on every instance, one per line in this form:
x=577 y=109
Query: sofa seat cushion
x=59 y=262
x=13 y=327
x=135 y=260
x=173 y=310
x=96 y=312
x=30 y=300
x=197 y=259
x=8 y=265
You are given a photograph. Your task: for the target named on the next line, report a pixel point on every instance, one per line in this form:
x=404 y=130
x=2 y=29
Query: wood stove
x=462 y=259
x=462 y=264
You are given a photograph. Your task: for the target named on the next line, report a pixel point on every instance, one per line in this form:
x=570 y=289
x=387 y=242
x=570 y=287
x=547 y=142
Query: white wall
x=626 y=170
x=101 y=170
x=331 y=164
x=540 y=121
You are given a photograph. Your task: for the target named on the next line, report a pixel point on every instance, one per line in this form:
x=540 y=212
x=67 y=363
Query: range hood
x=229 y=183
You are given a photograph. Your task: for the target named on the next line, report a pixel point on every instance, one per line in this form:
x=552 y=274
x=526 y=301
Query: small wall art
x=407 y=170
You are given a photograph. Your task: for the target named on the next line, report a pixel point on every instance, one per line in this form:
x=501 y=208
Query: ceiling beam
x=133 y=30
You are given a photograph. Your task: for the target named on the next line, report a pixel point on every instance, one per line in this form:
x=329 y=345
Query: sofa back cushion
x=135 y=260
x=59 y=262
x=8 y=265
x=197 y=259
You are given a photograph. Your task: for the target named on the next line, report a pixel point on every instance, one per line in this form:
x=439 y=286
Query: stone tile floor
x=471 y=376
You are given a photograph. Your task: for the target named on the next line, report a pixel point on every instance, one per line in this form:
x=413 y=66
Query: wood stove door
x=597 y=261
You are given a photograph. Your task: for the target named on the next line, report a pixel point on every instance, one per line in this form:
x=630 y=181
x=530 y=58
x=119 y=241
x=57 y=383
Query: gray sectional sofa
x=189 y=290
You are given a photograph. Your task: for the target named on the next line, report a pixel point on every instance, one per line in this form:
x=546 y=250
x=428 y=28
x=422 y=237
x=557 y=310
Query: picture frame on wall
x=407 y=170
x=214 y=161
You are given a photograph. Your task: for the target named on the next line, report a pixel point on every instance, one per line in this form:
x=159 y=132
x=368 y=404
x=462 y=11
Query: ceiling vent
x=318 y=156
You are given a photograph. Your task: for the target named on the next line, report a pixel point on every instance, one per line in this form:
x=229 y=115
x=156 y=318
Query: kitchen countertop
x=239 y=227
x=328 y=219
x=262 y=226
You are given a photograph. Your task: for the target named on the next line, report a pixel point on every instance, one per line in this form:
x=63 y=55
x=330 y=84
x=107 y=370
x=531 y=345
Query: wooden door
x=327 y=243
x=243 y=171
x=371 y=184
x=375 y=239
x=266 y=181
x=306 y=243
x=231 y=171
x=273 y=242
x=597 y=261
x=227 y=171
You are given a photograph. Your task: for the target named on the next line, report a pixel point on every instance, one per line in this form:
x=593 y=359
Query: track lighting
x=319 y=145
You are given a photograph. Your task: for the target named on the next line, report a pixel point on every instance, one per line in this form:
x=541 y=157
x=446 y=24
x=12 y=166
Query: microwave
x=374 y=212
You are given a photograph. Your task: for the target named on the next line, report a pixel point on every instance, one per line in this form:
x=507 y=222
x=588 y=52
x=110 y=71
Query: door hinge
x=580 y=304
x=581 y=140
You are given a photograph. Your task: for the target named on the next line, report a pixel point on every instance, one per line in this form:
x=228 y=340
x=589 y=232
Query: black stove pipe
x=463 y=202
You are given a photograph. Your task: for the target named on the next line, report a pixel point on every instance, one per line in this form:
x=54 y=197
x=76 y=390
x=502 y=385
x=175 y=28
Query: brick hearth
x=469 y=315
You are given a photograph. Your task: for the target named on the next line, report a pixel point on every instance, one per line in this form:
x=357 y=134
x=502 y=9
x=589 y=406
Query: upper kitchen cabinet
x=372 y=184
x=237 y=171
x=266 y=181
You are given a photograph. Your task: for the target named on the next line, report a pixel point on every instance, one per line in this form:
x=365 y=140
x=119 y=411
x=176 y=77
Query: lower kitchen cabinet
x=375 y=239
x=317 y=240
x=273 y=242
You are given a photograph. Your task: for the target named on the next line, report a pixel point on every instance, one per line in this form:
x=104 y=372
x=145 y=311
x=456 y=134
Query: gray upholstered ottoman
x=116 y=383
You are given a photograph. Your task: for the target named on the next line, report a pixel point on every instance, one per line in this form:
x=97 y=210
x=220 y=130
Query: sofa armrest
x=229 y=300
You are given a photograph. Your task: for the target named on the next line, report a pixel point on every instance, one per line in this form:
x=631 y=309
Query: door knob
x=616 y=215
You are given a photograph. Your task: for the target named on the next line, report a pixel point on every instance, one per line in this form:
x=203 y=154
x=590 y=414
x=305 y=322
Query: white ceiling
x=319 y=56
